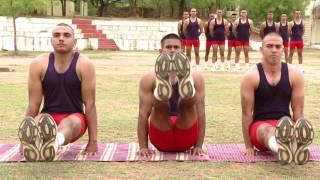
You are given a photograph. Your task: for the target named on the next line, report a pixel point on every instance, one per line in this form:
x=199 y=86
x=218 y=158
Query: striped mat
x=127 y=152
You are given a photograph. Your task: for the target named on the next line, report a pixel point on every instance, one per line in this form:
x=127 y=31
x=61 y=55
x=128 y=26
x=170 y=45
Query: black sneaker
x=182 y=68
x=48 y=131
x=303 y=132
x=163 y=90
x=29 y=138
x=284 y=136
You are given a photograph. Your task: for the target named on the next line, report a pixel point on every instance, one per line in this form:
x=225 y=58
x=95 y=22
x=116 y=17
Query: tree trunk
x=182 y=7
x=63 y=7
x=218 y=4
x=14 y=34
x=51 y=7
x=100 y=11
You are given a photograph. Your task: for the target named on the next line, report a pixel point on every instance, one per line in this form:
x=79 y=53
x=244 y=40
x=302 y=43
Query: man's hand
x=145 y=152
x=250 y=152
x=198 y=151
x=21 y=149
x=92 y=148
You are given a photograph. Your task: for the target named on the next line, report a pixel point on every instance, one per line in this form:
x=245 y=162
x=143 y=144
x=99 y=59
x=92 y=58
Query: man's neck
x=271 y=69
x=63 y=58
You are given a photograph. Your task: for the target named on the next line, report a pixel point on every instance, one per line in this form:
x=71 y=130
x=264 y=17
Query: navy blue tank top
x=182 y=36
x=219 y=29
x=208 y=35
x=174 y=100
x=231 y=35
x=283 y=31
x=268 y=29
x=62 y=91
x=193 y=30
x=272 y=102
x=297 y=30
x=243 y=31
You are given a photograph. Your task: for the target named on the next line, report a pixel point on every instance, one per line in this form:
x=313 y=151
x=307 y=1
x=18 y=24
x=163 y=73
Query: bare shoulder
x=251 y=77
x=83 y=59
x=147 y=81
x=295 y=74
x=39 y=62
x=250 y=21
x=198 y=78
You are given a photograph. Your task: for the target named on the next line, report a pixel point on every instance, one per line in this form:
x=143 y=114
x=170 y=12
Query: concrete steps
x=90 y=31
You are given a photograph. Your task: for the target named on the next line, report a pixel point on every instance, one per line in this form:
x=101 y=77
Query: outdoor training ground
x=118 y=75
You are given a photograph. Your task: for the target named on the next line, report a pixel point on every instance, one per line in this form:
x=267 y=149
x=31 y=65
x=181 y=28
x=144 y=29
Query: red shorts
x=253 y=133
x=242 y=43
x=219 y=43
x=231 y=43
x=194 y=43
x=294 y=44
x=208 y=44
x=285 y=44
x=59 y=117
x=183 y=41
x=175 y=139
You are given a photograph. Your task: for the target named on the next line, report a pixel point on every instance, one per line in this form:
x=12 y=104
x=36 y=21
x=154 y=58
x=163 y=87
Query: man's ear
x=160 y=50
x=75 y=42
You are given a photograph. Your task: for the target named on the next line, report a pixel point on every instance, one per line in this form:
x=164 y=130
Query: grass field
x=118 y=75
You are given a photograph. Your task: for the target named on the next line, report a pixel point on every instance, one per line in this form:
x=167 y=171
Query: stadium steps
x=90 y=31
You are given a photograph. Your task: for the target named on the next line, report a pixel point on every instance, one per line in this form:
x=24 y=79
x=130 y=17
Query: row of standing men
x=237 y=31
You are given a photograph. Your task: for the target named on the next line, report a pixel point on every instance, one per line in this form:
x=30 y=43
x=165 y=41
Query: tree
x=63 y=7
x=134 y=8
x=258 y=9
x=102 y=5
x=18 y=8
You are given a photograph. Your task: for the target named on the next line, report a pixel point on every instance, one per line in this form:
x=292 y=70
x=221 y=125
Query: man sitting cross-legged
x=267 y=91
x=66 y=81
x=171 y=103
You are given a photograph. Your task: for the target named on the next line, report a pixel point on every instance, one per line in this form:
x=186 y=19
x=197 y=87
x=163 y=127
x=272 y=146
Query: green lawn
x=118 y=75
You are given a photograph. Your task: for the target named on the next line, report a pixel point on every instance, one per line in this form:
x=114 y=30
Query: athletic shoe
x=238 y=69
x=228 y=65
x=213 y=68
x=186 y=85
x=284 y=135
x=303 y=132
x=48 y=131
x=223 y=67
x=29 y=138
x=163 y=90
x=205 y=65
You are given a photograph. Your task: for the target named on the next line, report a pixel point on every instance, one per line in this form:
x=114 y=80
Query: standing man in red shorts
x=180 y=29
x=231 y=39
x=208 y=39
x=242 y=29
x=283 y=30
x=171 y=103
x=218 y=29
x=268 y=26
x=66 y=81
x=268 y=90
x=192 y=29
x=296 y=31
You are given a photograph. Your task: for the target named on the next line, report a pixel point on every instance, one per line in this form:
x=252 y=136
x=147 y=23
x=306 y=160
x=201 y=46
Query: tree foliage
x=18 y=8
x=258 y=9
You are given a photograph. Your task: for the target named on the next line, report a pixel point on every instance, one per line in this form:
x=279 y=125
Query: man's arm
x=185 y=27
x=234 y=29
x=35 y=87
x=88 y=90
x=290 y=28
x=179 y=27
x=200 y=27
x=145 y=107
x=247 y=103
x=211 y=27
x=226 y=27
x=200 y=106
x=297 y=94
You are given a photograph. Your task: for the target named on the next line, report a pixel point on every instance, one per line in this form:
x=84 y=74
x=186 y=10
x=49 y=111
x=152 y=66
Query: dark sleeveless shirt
x=272 y=102
x=193 y=30
x=243 y=31
x=297 y=31
x=283 y=31
x=62 y=91
x=218 y=33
